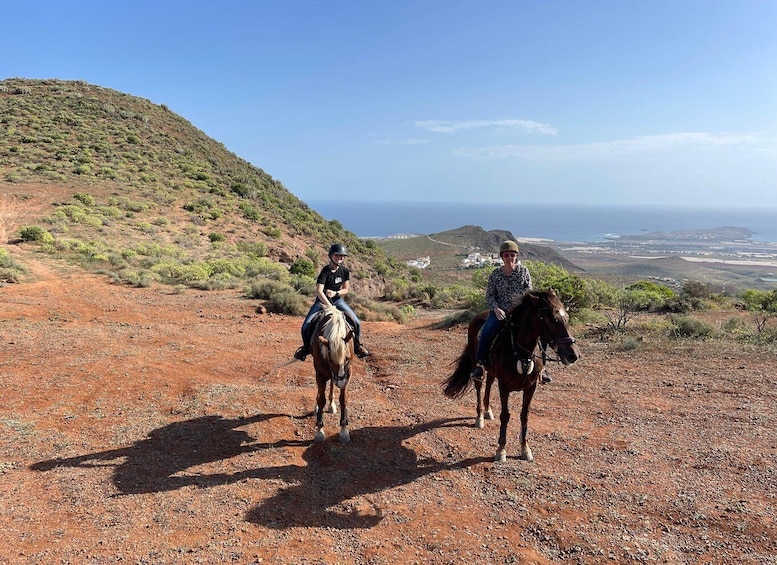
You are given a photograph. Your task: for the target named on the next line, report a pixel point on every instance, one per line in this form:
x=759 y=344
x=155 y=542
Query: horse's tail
x=458 y=383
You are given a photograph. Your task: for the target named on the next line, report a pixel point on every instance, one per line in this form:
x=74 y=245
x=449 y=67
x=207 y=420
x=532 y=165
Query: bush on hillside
x=690 y=327
x=36 y=234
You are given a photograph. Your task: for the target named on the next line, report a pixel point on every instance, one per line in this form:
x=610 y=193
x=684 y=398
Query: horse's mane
x=548 y=296
x=335 y=329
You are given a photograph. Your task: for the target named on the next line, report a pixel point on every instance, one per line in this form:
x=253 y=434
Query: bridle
x=554 y=343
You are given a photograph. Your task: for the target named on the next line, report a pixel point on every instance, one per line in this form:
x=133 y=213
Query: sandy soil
x=147 y=426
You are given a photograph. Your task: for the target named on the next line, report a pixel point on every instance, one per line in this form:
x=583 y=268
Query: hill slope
x=145 y=178
x=448 y=248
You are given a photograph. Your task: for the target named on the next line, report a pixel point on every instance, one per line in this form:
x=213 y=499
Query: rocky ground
x=155 y=426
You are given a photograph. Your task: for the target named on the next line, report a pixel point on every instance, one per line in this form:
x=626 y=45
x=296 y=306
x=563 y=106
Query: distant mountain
x=449 y=247
x=125 y=184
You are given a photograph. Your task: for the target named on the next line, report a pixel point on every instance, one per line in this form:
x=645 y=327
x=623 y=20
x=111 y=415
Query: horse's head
x=335 y=341
x=553 y=325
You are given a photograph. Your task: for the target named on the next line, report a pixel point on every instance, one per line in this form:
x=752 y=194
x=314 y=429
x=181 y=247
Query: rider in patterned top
x=332 y=284
x=506 y=286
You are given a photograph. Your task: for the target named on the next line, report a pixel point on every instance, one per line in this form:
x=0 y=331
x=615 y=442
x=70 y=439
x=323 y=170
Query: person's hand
x=500 y=314
x=330 y=293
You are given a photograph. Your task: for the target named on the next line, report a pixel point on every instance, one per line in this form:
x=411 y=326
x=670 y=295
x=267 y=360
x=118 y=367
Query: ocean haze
x=557 y=223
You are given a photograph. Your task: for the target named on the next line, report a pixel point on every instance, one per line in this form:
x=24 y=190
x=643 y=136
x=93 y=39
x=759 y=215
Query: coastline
x=546 y=223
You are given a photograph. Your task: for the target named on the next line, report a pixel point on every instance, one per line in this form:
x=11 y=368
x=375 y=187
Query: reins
x=561 y=341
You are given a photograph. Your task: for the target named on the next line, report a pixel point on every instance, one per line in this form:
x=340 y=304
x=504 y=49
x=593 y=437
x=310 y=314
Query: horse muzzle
x=568 y=352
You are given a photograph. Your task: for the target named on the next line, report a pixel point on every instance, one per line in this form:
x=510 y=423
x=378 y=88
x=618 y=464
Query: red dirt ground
x=154 y=426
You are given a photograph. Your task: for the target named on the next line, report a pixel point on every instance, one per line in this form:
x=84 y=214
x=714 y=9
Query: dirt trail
x=152 y=426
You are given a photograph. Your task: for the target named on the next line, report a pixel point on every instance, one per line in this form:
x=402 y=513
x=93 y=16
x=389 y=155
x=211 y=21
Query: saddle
x=527 y=364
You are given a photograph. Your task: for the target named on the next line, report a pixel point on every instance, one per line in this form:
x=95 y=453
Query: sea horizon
x=569 y=223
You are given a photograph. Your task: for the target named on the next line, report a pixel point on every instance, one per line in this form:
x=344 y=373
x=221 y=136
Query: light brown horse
x=332 y=349
x=515 y=359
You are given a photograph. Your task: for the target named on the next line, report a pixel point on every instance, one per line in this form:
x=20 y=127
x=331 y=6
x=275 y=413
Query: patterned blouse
x=505 y=291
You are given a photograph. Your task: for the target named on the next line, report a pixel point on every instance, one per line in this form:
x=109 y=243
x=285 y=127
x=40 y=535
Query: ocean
x=588 y=224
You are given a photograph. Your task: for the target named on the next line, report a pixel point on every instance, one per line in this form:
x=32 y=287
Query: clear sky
x=579 y=102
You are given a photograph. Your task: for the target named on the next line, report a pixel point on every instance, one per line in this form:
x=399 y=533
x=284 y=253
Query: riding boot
x=361 y=351
x=545 y=377
x=477 y=372
x=302 y=352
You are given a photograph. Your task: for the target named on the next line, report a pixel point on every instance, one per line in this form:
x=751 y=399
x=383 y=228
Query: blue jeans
x=489 y=327
x=341 y=305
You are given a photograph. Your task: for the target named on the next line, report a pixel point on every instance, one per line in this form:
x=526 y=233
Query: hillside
x=123 y=184
x=448 y=248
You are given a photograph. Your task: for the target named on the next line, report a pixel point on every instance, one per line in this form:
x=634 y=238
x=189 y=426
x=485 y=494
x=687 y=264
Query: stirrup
x=301 y=353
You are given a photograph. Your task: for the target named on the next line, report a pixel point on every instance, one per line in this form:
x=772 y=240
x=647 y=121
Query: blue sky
x=594 y=102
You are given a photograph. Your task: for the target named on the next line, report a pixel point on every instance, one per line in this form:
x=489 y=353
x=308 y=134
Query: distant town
x=725 y=246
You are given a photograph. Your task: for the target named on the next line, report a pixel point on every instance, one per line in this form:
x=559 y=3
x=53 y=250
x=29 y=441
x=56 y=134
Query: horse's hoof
x=345 y=437
x=501 y=456
x=527 y=456
x=489 y=414
x=479 y=423
x=319 y=436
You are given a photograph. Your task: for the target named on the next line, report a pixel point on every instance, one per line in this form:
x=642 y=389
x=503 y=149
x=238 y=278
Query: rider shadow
x=322 y=489
x=325 y=489
x=156 y=463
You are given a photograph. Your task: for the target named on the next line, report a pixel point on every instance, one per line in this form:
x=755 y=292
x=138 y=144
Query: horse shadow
x=323 y=490
x=333 y=489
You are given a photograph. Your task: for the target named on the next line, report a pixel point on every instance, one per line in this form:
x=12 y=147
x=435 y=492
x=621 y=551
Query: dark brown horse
x=332 y=350
x=515 y=359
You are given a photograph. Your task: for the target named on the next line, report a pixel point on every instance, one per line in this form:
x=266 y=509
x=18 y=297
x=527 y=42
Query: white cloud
x=409 y=141
x=442 y=126
x=618 y=148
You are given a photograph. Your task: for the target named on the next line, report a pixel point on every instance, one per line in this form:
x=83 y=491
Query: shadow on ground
x=331 y=490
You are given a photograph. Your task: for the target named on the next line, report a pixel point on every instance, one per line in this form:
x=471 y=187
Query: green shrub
x=36 y=234
x=250 y=212
x=690 y=327
x=254 y=249
x=85 y=199
x=266 y=268
x=283 y=297
x=303 y=284
x=303 y=266
x=182 y=272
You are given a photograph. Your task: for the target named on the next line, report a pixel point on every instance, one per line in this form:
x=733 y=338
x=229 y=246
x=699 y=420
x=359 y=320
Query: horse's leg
x=528 y=394
x=332 y=406
x=504 y=418
x=479 y=417
x=320 y=402
x=345 y=437
x=489 y=414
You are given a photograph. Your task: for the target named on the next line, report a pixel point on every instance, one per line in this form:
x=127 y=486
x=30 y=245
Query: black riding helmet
x=338 y=248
